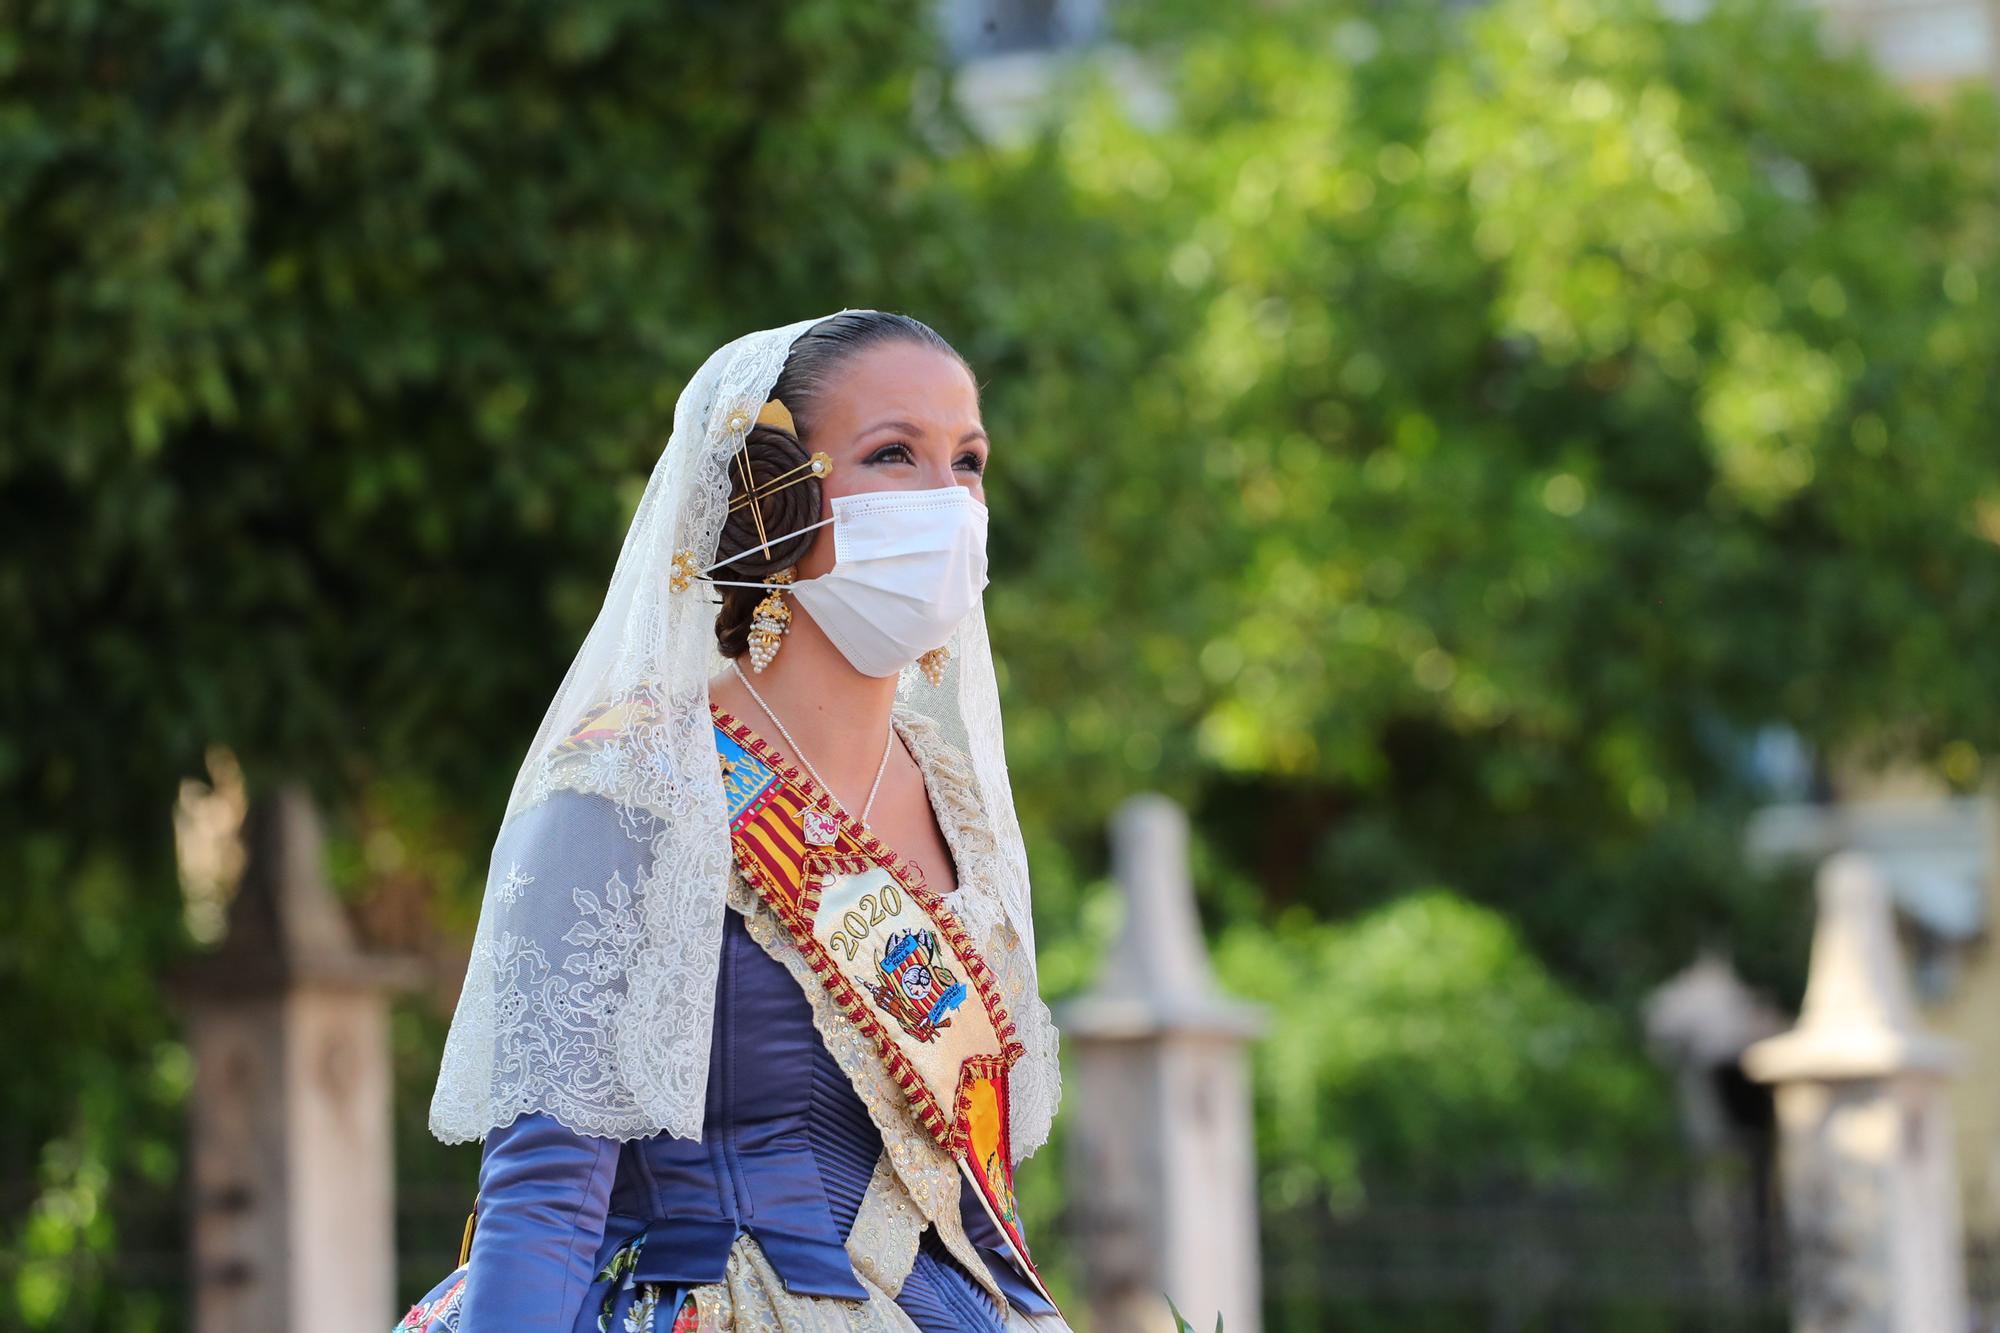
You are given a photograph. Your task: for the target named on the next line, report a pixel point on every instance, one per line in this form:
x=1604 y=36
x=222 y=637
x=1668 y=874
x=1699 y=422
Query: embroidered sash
x=897 y=962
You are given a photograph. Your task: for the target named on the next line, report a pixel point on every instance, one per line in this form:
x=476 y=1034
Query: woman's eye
x=971 y=462
x=892 y=453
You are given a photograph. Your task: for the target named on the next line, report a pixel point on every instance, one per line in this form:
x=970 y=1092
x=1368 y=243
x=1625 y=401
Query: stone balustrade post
x=287 y=1021
x=1161 y=1156
x=1865 y=1138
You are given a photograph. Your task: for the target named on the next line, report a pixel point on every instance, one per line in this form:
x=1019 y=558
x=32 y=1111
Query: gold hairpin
x=772 y=413
x=683 y=571
x=819 y=465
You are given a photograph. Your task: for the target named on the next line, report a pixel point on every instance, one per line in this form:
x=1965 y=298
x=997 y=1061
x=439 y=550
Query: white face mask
x=907 y=567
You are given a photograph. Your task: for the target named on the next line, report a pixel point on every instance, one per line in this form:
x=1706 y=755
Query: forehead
x=901 y=379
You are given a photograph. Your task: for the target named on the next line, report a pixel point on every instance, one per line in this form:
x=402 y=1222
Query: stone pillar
x=1161 y=1154
x=1865 y=1135
x=290 y=1153
x=1698 y=1024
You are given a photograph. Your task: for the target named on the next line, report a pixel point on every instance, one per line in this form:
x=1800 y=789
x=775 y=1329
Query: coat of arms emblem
x=915 y=989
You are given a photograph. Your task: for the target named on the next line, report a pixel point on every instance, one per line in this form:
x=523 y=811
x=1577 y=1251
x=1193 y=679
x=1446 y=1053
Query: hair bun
x=769 y=452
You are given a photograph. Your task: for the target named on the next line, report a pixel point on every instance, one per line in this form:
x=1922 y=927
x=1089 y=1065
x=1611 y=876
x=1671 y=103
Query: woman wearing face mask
x=751 y=1029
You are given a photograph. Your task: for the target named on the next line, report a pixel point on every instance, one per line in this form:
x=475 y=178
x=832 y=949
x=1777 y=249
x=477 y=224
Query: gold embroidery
x=887 y=1228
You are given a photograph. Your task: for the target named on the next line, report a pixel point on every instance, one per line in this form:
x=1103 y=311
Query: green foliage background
x=1430 y=450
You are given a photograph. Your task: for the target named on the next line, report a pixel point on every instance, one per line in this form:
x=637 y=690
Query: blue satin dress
x=786 y=1153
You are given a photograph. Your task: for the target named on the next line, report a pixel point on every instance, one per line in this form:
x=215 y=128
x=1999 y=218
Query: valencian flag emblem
x=891 y=953
x=917 y=990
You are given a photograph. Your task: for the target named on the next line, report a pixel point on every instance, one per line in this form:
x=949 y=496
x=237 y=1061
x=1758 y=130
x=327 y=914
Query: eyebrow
x=910 y=428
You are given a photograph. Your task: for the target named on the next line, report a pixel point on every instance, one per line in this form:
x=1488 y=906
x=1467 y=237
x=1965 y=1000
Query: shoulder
x=569 y=818
x=566 y=842
x=935 y=754
x=606 y=721
x=949 y=777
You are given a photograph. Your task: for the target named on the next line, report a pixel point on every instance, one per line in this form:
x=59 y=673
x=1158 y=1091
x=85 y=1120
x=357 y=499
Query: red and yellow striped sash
x=897 y=962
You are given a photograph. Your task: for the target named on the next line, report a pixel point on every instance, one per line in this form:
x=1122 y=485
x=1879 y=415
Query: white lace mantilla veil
x=593 y=1001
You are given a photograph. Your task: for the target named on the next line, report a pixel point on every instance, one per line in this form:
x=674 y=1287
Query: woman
x=751 y=1028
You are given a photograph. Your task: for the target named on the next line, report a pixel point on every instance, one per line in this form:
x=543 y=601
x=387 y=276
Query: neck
x=836 y=715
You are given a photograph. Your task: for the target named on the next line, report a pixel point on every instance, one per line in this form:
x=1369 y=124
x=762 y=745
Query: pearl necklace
x=888 y=743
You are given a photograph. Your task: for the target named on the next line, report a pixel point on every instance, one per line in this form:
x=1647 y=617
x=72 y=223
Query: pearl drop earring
x=769 y=623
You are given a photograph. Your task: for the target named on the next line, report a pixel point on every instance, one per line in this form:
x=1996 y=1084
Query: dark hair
x=813 y=363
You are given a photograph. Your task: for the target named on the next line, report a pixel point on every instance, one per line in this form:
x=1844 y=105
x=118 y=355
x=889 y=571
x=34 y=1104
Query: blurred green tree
x=1519 y=413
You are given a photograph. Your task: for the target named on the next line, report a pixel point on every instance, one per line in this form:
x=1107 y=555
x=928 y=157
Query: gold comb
x=775 y=413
